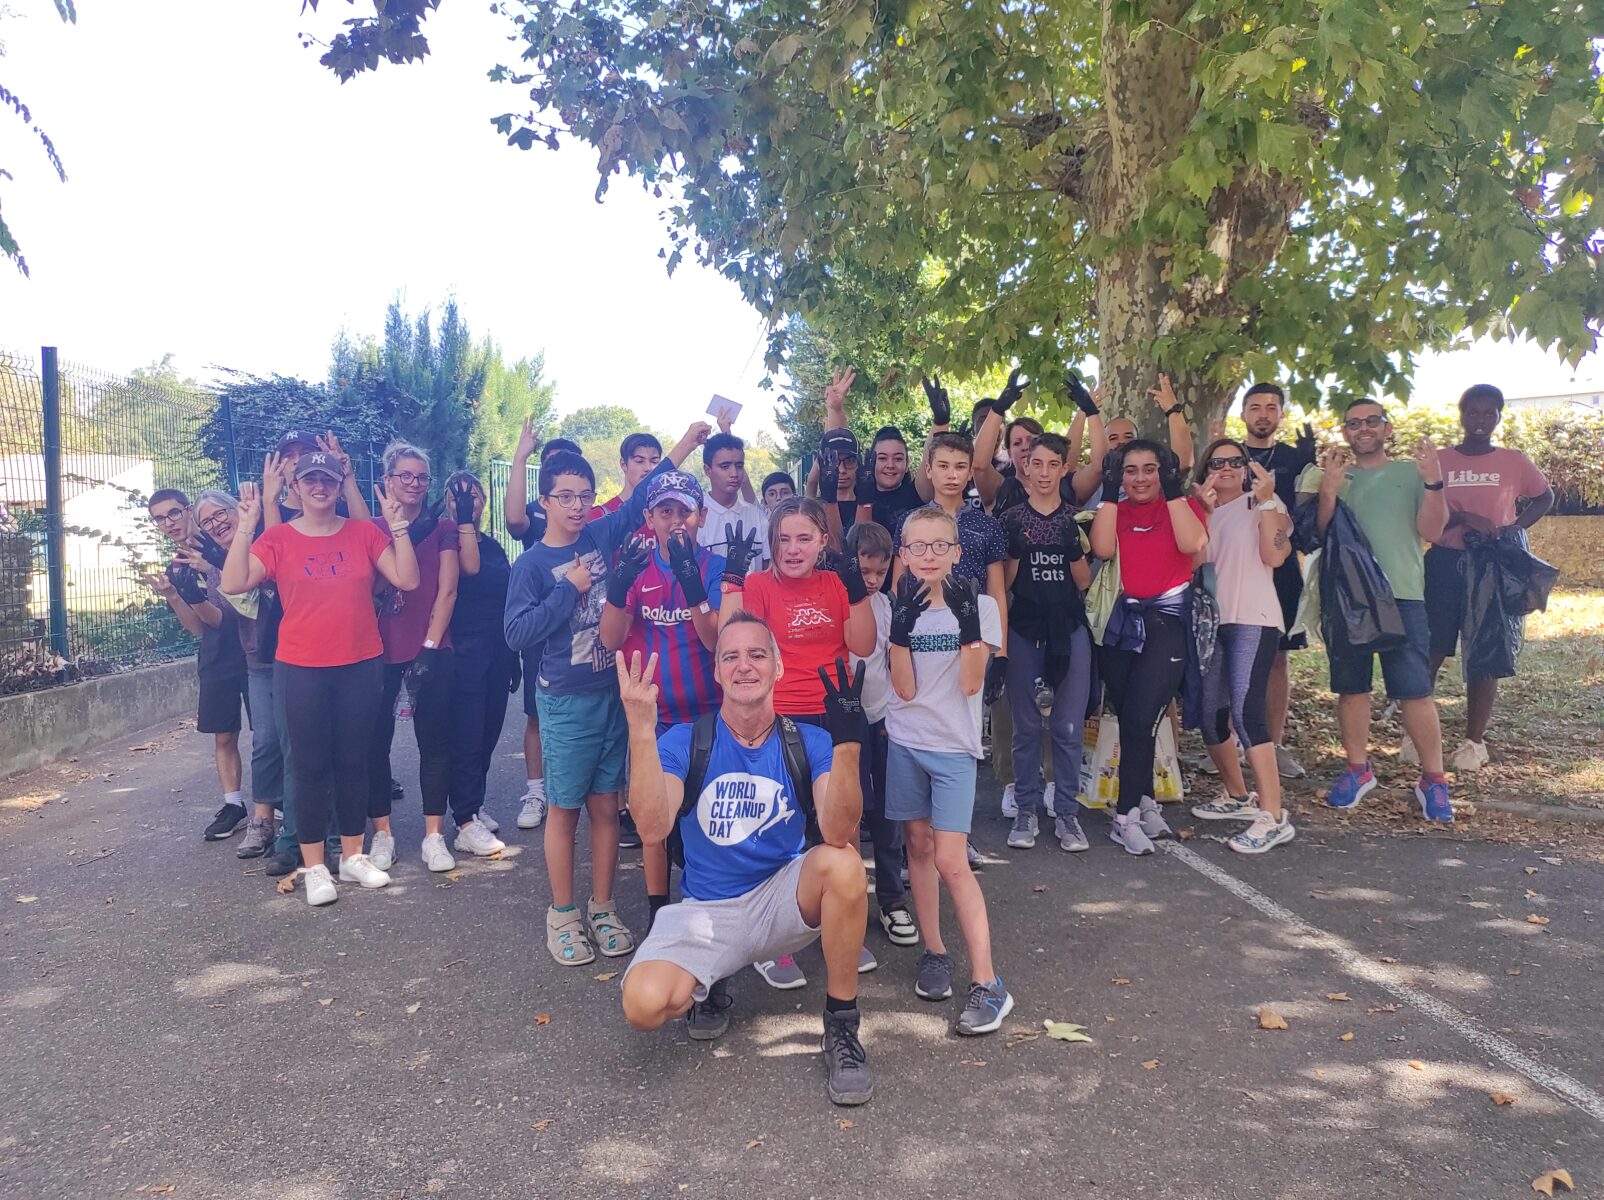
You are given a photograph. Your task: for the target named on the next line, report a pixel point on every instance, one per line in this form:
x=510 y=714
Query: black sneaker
x=708 y=1019
x=628 y=835
x=226 y=823
x=848 y=1081
x=284 y=864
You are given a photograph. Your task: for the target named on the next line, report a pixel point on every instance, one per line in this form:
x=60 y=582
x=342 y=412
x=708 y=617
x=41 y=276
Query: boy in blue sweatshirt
x=555 y=599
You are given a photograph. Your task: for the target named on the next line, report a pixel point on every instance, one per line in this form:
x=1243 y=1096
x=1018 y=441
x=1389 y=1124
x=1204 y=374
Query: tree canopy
x=1215 y=189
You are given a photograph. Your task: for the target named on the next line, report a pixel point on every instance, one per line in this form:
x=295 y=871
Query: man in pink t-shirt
x=1485 y=485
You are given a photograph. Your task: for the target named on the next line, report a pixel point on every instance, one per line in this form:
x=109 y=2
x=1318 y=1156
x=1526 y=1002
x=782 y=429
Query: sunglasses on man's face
x=1372 y=422
x=1233 y=463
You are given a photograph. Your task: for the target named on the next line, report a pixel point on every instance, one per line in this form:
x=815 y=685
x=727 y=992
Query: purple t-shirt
x=404 y=616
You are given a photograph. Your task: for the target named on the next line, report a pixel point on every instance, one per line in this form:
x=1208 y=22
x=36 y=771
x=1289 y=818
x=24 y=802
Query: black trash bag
x=1357 y=608
x=1504 y=582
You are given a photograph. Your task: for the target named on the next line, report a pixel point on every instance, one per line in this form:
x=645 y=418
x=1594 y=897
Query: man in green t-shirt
x=1399 y=505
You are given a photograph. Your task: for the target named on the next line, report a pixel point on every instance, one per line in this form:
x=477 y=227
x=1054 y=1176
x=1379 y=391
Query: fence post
x=225 y=408
x=55 y=531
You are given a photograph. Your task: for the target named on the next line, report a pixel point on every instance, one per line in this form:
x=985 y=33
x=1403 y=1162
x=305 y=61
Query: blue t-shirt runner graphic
x=746 y=824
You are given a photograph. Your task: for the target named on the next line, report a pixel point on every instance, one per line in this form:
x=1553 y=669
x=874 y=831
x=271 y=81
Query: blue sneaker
x=988 y=1004
x=1352 y=786
x=1434 y=802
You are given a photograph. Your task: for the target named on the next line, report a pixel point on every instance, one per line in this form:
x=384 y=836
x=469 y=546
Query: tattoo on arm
x=1281 y=538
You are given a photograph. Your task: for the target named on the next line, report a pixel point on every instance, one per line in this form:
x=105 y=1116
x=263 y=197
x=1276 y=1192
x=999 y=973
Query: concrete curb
x=1543 y=812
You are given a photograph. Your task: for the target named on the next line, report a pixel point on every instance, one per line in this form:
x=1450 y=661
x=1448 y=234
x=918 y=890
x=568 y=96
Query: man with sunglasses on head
x=1399 y=505
x=1262 y=414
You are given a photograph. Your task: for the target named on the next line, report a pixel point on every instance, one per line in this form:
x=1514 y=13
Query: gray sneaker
x=781 y=973
x=976 y=862
x=1153 y=823
x=934 y=980
x=1286 y=766
x=988 y=1004
x=1023 y=835
x=259 y=838
x=1126 y=831
x=1070 y=835
x=708 y=1019
x=848 y=1081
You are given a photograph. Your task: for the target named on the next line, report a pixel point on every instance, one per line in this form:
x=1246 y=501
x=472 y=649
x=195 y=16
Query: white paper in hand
x=721 y=408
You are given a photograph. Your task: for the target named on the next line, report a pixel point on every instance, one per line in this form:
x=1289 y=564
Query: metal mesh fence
x=495 y=518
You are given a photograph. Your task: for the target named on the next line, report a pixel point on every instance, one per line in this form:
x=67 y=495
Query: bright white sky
x=229 y=201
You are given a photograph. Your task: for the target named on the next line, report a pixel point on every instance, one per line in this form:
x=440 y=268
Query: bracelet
x=1433 y=487
x=1178 y=411
x=398 y=530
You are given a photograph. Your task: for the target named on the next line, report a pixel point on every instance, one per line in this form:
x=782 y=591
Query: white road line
x=1357 y=964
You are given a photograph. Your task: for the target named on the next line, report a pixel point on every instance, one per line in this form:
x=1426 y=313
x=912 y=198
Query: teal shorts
x=584 y=742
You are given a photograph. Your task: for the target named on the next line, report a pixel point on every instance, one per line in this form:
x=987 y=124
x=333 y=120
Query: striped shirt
x=686 y=687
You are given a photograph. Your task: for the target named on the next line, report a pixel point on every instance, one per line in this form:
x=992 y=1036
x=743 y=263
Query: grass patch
x=1547 y=735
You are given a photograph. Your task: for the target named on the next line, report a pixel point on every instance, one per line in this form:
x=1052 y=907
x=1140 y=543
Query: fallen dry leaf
x=1500 y=1098
x=1040 y=887
x=1388 y=959
x=754 y=1143
x=606 y=975
x=1270 y=1019
x=1531 y=895
x=843 y=1123
x=1150 y=1064
x=542 y=1019
x=1417 y=1064
x=285 y=886
x=1512 y=971
x=1185 y=835
x=1383 y=1008
x=1347 y=1037
x=1120 y=982
x=1545 y=1182
x=414 y=1006
x=493 y=856
x=542 y=1125
x=1531 y=870
x=1534 y=919
x=1065 y=1031
x=453 y=875
x=27 y=899
x=326 y=1003
x=1339 y=997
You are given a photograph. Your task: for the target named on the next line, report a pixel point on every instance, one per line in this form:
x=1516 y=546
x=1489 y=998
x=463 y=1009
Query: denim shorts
x=1406 y=670
x=584 y=741
x=930 y=785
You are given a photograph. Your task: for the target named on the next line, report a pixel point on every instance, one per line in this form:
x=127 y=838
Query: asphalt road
x=169 y=1022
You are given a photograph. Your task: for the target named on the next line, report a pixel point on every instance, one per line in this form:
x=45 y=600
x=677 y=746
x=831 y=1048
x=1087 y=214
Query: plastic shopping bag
x=1101 y=789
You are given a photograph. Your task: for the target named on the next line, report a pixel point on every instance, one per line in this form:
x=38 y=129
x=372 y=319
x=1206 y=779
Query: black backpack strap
x=695 y=775
x=800 y=770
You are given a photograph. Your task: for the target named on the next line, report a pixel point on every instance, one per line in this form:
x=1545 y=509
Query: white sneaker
x=475 y=838
x=1010 y=806
x=1152 y=820
x=435 y=855
x=320 y=889
x=488 y=821
x=360 y=868
x=533 y=811
x=1471 y=756
x=1406 y=750
x=1126 y=831
x=1264 y=834
x=383 y=851
x=1049 y=799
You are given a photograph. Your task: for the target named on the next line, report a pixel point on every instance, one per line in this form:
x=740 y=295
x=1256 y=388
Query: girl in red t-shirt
x=330 y=655
x=1156 y=531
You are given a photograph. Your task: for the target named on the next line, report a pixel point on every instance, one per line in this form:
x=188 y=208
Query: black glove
x=1113 y=473
x=852 y=575
x=829 y=475
x=1018 y=547
x=1012 y=391
x=1306 y=443
x=517 y=680
x=996 y=681
x=868 y=491
x=633 y=558
x=462 y=502
x=426 y=520
x=682 y=563
x=1078 y=393
x=1073 y=550
x=740 y=548
x=1169 y=476
x=189 y=582
x=422 y=666
x=963 y=600
x=940 y=406
x=843 y=703
x=910 y=602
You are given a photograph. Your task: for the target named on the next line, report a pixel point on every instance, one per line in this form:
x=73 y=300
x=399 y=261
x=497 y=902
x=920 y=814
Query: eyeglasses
x=215 y=522
x=1234 y=463
x=572 y=499
x=409 y=478
x=172 y=514
x=1375 y=422
x=922 y=548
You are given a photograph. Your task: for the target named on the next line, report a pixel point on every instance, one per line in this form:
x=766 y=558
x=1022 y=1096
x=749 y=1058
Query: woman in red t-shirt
x=330 y=656
x=816 y=616
x=1156 y=531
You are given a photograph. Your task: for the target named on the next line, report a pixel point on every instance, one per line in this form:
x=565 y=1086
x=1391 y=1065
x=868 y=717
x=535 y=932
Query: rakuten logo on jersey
x=659 y=614
x=808 y=617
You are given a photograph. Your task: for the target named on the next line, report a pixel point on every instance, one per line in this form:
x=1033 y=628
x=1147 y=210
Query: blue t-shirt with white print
x=746 y=824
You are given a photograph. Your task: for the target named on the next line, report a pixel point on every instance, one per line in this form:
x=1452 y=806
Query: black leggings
x=1238 y=684
x=330 y=712
x=1139 y=687
x=479 y=708
x=431 y=725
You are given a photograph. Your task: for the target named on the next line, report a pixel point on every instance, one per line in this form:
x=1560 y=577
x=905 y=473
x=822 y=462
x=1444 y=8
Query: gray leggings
x=1236 y=689
x=1027 y=663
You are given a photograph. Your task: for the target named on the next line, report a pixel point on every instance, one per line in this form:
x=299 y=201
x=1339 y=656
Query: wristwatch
x=1433 y=487
x=1273 y=505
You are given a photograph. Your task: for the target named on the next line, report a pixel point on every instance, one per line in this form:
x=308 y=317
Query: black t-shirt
x=1012 y=492
x=482 y=598
x=888 y=507
x=849 y=514
x=1044 y=591
x=537 y=524
x=1286 y=463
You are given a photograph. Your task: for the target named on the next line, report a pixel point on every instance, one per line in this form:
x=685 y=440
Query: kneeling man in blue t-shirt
x=753 y=890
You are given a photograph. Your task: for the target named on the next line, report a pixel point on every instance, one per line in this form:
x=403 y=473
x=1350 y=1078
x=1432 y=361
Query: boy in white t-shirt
x=941 y=635
x=871 y=544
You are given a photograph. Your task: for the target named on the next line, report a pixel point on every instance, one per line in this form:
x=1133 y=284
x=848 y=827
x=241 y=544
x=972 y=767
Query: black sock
x=654 y=905
x=832 y=1005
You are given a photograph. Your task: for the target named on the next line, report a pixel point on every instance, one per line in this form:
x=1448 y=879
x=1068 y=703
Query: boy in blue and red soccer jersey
x=662 y=599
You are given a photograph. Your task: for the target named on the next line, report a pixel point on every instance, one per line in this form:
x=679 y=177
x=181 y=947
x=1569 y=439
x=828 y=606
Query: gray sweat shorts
x=713 y=939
